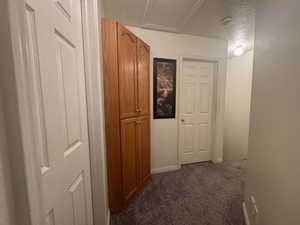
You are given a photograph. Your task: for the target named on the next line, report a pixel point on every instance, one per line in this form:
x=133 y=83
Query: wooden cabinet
x=134 y=83
x=127 y=56
x=135 y=154
x=129 y=139
x=143 y=140
x=126 y=76
x=143 y=77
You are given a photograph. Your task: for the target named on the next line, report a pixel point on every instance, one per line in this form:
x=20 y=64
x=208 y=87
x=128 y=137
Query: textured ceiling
x=196 y=17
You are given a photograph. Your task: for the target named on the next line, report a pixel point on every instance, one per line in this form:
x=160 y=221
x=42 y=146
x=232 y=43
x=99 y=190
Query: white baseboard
x=165 y=169
x=108 y=218
x=246 y=214
x=218 y=160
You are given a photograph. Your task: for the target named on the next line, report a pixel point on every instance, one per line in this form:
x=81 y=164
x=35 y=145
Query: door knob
x=182 y=120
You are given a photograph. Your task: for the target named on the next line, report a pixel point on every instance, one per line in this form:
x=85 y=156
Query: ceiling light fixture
x=238 y=51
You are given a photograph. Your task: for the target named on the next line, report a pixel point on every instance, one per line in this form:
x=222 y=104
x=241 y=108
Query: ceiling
x=196 y=17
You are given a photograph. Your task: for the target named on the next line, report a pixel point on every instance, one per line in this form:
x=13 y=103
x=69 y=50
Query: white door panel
x=57 y=80
x=189 y=98
x=64 y=7
x=187 y=138
x=204 y=97
x=196 y=111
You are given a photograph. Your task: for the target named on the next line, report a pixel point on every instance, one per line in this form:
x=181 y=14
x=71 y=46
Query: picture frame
x=164 y=88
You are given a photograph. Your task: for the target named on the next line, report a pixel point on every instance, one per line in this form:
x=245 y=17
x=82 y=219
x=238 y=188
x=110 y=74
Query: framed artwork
x=164 y=88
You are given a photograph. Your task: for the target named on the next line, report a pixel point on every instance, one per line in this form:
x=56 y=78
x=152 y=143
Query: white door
x=57 y=79
x=196 y=110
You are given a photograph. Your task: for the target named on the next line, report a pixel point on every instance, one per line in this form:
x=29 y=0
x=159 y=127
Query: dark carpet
x=197 y=194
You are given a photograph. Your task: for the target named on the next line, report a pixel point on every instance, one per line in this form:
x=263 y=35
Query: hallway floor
x=198 y=194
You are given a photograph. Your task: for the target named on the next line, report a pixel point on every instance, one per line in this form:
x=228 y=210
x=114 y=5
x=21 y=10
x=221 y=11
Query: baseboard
x=246 y=216
x=165 y=169
x=108 y=218
x=218 y=160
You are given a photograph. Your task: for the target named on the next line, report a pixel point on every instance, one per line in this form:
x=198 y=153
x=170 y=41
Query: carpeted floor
x=197 y=194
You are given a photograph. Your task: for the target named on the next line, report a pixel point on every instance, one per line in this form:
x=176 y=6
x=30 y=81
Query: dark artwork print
x=164 y=88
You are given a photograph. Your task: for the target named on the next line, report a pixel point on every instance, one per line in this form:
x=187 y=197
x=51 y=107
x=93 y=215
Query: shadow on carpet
x=197 y=194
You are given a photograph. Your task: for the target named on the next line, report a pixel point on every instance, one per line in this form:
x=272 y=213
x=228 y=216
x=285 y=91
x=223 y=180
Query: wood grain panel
x=144 y=149
x=143 y=77
x=127 y=52
x=112 y=113
x=129 y=140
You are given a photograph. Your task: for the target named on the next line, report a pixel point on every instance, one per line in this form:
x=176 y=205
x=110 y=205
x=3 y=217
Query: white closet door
x=57 y=79
x=196 y=98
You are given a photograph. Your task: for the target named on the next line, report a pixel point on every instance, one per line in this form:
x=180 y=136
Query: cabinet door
x=129 y=157
x=143 y=78
x=143 y=134
x=127 y=54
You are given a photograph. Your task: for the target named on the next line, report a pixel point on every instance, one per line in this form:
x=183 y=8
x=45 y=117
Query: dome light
x=239 y=51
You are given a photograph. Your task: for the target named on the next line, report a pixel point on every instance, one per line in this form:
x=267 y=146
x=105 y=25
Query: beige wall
x=237 y=106
x=7 y=208
x=7 y=214
x=274 y=143
x=164 y=139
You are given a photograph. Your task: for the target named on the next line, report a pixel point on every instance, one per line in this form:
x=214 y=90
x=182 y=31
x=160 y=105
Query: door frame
x=219 y=104
x=26 y=175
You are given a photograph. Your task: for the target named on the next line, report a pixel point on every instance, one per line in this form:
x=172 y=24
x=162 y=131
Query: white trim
x=218 y=160
x=217 y=138
x=108 y=218
x=246 y=216
x=95 y=111
x=165 y=169
x=27 y=176
x=158 y=27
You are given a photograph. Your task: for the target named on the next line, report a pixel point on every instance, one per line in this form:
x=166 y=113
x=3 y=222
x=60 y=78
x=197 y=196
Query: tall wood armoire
x=126 y=75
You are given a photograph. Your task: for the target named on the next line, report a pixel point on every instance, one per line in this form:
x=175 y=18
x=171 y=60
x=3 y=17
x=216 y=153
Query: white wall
x=274 y=142
x=7 y=214
x=237 y=106
x=164 y=139
x=7 y=205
